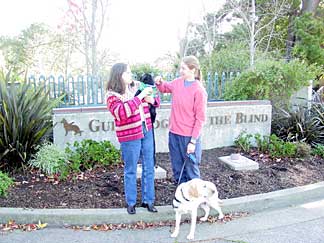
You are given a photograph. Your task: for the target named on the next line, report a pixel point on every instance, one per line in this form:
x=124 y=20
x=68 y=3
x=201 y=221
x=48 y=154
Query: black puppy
x=148 y=79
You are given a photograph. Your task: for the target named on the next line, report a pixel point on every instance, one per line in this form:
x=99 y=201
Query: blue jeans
x=178 y=156
x=131 y=152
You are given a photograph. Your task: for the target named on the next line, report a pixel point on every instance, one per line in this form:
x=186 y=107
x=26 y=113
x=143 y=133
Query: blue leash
x=193 y=159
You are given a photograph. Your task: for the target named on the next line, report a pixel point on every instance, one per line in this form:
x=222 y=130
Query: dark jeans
x=178 y=156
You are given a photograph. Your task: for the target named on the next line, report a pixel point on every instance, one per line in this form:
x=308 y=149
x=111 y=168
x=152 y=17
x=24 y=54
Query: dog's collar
x=184 y=196
x=177 y=200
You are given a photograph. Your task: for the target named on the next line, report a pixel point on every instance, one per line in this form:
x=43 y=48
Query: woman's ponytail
x=193 y=63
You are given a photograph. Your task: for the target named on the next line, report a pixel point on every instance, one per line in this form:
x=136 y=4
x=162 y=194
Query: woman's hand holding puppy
x=145 y=93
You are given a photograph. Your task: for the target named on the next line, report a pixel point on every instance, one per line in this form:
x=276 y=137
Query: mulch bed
x=103 y=187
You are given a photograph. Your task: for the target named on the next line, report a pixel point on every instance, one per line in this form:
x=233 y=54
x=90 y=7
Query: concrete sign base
x=239 y=162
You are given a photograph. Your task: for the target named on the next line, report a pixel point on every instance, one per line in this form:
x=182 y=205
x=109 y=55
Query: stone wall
x=225 y=121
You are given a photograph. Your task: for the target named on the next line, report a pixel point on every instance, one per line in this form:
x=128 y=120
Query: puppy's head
x=147 y=79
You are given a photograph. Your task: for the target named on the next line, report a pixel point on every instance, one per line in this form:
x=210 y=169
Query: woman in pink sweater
x=134 y=132
x=188 y=114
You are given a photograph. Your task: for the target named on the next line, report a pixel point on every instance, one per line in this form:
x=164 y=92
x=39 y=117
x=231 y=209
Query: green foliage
x=310 y=38
x=318 y=150
x=243 y=141
x=139 y=69
x=262 y=142
x=232 y=57
x=273 y=80
x=299 y=124
x=273 y=145
x=50 y=159
x=280 y=148
x=5 y=183
x=303 y=150
x=86 y=154
x=20 y=52
x=25 y=120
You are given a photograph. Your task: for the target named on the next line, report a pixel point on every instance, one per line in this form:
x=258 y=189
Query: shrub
x=5 y=183
x=262 y=142
x=139 y=69
x=280 y=148
x=87 y=153
x=318 y=150
x=50 y=159
x=274 y=145
x=299 y=124
x=243 y=142
x=233 y=57
x=273 y=80
x=303 y=150
x=25 y=120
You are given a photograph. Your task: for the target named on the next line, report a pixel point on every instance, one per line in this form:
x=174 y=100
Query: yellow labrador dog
x=191 y=195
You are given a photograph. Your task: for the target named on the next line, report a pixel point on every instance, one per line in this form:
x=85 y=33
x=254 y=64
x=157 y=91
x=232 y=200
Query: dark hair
x=115 y=81
x=193 y=63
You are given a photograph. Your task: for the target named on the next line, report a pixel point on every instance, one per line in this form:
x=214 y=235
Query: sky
x=138 y=30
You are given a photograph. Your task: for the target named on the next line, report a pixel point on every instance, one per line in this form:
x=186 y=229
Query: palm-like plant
x=301 y=124
x=25 y=119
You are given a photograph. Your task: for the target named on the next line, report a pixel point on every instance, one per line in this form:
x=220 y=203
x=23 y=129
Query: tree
x=256 y=23
x=253 y=16
x=29 y=49
x=88 y=18
x=309 y=32
x=308 y=6
x=201 y=39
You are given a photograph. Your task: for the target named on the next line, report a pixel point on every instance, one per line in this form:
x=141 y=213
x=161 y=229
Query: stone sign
x=225 y=121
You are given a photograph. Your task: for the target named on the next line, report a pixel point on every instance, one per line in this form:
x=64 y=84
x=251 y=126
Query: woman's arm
x=122 y=110
x=200 y=107
x=163 y=87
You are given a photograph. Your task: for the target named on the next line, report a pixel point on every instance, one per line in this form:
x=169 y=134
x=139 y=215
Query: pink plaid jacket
x=127 y=116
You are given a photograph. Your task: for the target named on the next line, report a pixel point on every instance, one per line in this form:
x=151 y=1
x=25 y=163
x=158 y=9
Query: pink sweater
x=188 y=107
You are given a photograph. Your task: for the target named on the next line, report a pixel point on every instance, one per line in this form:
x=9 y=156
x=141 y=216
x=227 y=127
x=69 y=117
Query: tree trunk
x=310 y=6
x=252 y=35
x=93 y=39
x=290 y=35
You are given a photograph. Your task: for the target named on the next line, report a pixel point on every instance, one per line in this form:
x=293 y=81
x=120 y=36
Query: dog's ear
x=211 y=192
x=210 y=187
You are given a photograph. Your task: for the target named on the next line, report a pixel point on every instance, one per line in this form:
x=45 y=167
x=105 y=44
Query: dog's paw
x=221 y=216
x=174 y=234
x=190 y=237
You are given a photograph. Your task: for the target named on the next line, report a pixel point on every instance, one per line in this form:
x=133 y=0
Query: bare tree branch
x=277 y=11
x=241 y=13
x=103 y=14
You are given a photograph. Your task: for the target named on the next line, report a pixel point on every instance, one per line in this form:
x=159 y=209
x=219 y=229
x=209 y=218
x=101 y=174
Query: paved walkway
x=291 y=215
x=303 y=223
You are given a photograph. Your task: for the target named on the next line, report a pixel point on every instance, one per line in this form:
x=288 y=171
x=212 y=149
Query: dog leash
x=193 y=158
